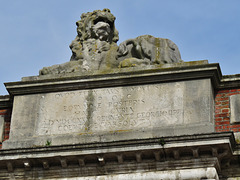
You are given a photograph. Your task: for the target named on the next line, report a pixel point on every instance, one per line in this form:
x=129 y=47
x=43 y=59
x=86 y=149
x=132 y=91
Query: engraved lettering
x=109 y=109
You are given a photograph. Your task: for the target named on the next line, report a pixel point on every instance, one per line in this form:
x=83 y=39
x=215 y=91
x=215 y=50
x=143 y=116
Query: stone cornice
x=211 y=150
x=123 y=77
x=169 y=142
x=230 y=81
x=5 y=102
x=117 y=78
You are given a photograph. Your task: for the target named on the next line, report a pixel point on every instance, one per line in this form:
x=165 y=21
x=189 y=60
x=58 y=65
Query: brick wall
x=222 y=111
x=6 y=113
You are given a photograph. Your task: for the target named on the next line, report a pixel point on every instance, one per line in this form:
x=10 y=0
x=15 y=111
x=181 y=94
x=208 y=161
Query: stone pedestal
x=122 y=105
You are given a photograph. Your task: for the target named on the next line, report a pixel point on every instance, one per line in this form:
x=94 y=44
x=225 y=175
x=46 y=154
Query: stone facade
x=136 y=111
x=190 y=147
x=113 y=113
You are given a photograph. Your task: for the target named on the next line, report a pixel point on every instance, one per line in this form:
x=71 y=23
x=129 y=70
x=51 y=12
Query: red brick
x=235 y=126
x=220 y=95
x=230 y=94
x=7 y=129
x=221 y=99
x=225 y=110
x=3 y=113
x=235 y=130
x=219 y=119
x=217 y=111
x=6 y=137
x=218 y=127
x=7 y=124
x=221 y=107
x=3 y=110
x=218 y=103
x=222 y=115
x=225 y=127
x=223 y=130
x=226 y=119
x=225 y=103
x=223 y=91
x=222 y=123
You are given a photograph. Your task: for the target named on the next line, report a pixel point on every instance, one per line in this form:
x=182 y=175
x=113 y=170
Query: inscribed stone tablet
x=1 y=127
x=141 y=111
x=235 y=108
x=111 y=109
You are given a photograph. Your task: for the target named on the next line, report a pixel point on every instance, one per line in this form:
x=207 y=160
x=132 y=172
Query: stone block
x=112 y=114
x=1 y=127
x=235 y=108
x=237 y=137
x=209 y=173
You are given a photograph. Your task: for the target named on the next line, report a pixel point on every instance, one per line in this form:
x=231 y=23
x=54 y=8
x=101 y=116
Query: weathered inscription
x=112 y=114
x=110 y=109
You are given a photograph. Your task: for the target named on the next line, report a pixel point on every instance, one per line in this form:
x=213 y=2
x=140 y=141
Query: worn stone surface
x=145 y=50
x=109 y=114
x=235 y=108
x=95 y=48
x=237 y=137
x=184 y=174
x=134 y=69
x=1 y=127
x=199 y=151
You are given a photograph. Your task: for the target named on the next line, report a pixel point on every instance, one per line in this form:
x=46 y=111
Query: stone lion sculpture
x=95 y=47
x=96 y=39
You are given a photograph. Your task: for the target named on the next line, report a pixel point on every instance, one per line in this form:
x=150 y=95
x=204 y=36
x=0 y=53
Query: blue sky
x=35 y=34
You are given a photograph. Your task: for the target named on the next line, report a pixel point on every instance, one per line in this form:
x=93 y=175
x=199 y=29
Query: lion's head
x=97 y=24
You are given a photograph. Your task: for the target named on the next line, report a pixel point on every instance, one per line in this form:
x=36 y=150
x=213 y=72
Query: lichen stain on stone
x=119 y=131
x=85 y=133
x=157 y=50
x=90 y=109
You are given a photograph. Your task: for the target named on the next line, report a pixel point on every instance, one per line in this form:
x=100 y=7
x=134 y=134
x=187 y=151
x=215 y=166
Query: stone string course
x=222 y=111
